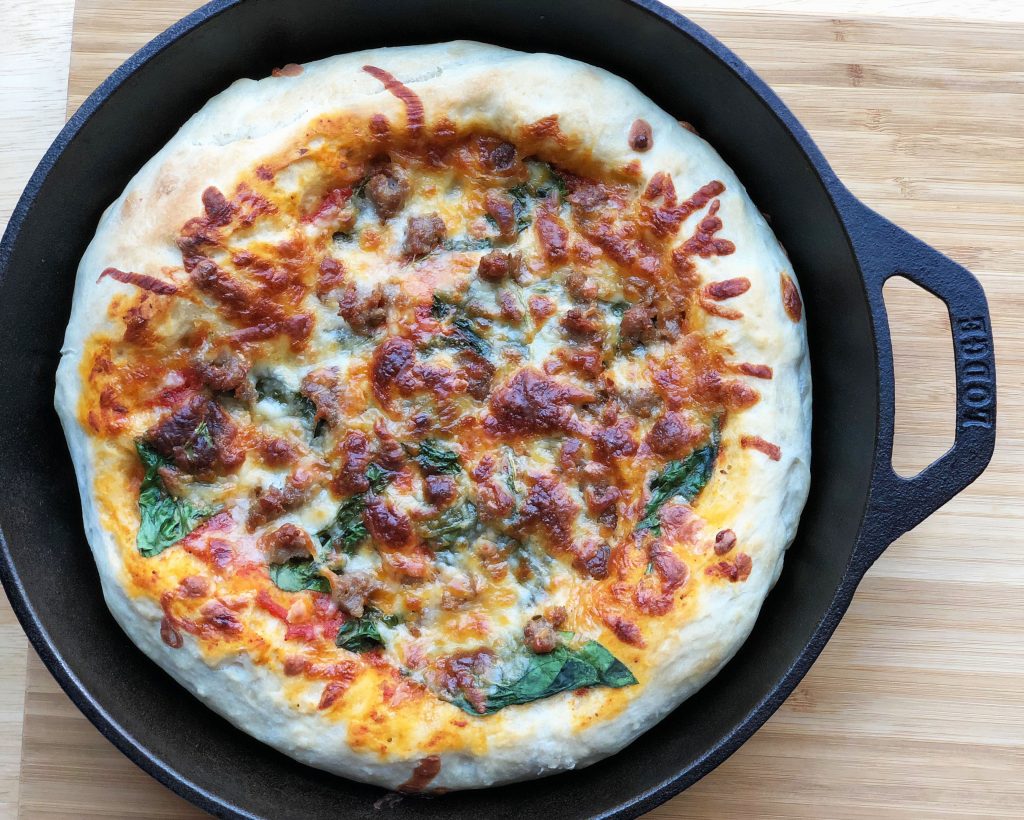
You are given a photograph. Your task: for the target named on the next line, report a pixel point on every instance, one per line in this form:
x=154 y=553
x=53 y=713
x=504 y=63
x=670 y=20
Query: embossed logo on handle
x=974 y=360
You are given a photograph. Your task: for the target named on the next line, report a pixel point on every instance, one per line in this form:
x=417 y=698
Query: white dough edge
x=466 y=82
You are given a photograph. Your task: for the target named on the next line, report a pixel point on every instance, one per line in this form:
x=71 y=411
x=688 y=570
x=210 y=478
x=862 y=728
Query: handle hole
x=925 y=376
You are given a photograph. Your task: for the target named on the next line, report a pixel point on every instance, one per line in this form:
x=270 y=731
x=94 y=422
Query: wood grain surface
x=916 y=707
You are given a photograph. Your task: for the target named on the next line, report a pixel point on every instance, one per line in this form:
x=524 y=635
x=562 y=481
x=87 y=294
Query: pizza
x=441 y=414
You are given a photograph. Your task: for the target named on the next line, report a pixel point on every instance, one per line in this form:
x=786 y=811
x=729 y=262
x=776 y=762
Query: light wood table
x=916 y=707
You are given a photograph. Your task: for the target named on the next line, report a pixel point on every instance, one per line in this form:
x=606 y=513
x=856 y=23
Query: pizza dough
x=441 y=414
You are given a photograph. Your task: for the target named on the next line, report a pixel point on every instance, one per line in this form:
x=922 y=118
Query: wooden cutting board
x=916 y=708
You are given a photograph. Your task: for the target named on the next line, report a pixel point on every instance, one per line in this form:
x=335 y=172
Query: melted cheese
x=471 y=595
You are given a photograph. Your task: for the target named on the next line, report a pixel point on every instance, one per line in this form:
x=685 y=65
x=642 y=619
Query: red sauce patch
x=773 y=451
x=266 y=602
x=334 y=201
x=414 y=116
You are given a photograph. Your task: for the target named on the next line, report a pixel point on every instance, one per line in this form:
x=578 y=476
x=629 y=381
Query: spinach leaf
x=347 y=531
x=610 y=670
x=561 y=670
x=467 y=244
x=510 y=471
x=544 y=180
x=361 y=634
x=163 y=519
x=270 y=387
x=619 y=308
x=299 y=574
x=553 y=181
x=440 y=308
x=684 y=478
x=200 y=437
x=378 y=477
x=452 y=525
x=522 y=200
x=434 y=458
x=467 y=336
x=359 y=191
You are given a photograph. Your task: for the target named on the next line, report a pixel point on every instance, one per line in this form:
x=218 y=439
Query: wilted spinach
x=440 y=308
x=270 y=387
x=510 y=471
x=451 y=526
x=522 y=199
x=561 y=670
x=347 y=531
x=299 y=574
x=378 y=477
x=435 y=458
x=163 y=519
x=551 y=180
x=362 y=634
x=465 y=333
x=544 y=180
x=684 y=479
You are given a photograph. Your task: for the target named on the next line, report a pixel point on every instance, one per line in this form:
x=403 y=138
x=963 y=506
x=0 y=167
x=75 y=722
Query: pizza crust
x=468 y=82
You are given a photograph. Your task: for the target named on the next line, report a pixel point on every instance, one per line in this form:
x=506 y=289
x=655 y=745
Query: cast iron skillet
x=842 y=251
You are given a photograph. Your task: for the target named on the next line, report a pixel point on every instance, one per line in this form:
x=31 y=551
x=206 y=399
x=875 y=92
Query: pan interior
x=40 y=515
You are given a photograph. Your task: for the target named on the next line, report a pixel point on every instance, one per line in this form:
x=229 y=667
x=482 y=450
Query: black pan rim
x=164 y=772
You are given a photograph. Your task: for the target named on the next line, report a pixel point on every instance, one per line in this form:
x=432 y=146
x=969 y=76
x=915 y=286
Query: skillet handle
x=898 y=504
